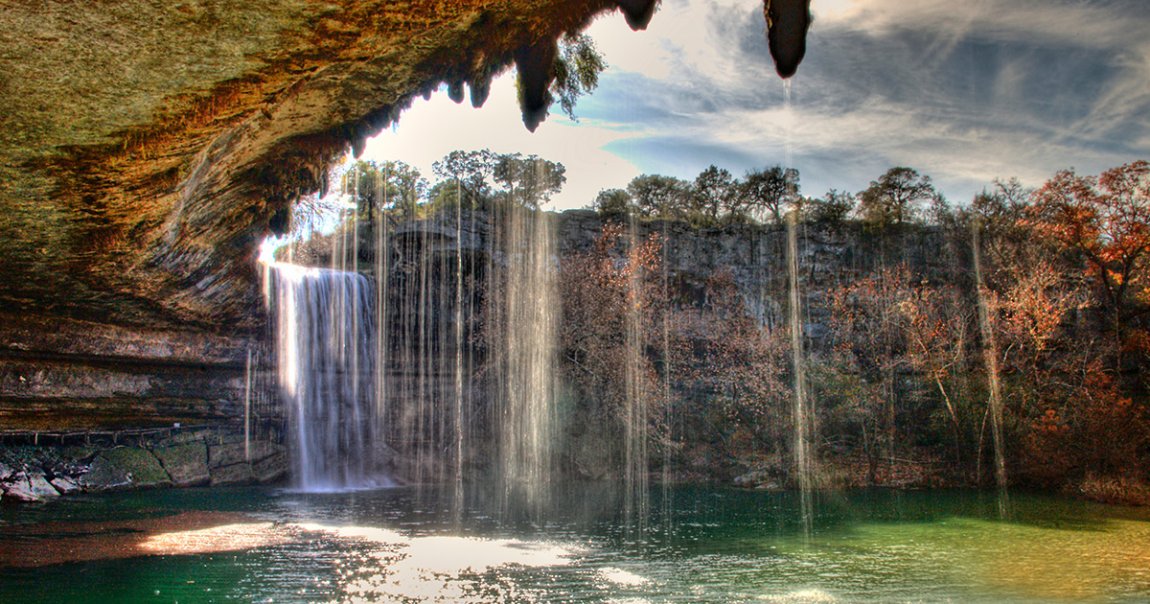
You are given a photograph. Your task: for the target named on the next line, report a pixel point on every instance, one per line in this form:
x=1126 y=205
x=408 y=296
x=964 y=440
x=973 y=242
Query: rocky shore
x=160 y=459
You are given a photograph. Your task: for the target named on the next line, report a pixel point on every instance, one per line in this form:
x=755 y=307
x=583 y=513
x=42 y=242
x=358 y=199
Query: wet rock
x=752 y=479
x=64 y=485
x=103 y=475
x=124 y=468
x=638 y=13
x=239 y=473
x=235 y=452
x=758 y=479
x=142 y=468
x=187 y=465
x=30 y=488
x=271 y=469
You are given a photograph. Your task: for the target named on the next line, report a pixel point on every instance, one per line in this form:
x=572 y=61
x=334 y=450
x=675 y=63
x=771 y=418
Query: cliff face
x=428 y=304
x=146 y=149
x=754 y=255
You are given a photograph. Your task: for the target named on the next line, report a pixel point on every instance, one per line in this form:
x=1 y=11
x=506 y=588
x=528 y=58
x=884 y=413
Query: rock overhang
x=147 y=149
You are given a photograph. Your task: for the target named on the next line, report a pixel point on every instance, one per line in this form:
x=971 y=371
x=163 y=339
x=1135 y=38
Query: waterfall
x=325 y=345
x=526 y=314
x=802 y=414
x=990 y=357
x=635 y=472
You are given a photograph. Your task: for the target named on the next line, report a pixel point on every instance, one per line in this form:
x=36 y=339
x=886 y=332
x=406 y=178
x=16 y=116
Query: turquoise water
x=698 y=545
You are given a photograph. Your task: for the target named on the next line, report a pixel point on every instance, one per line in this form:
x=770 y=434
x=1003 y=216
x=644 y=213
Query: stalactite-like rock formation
x=787 y=25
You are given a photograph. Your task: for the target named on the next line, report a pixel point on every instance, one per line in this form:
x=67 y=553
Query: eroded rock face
x=147 y=148
x=33 y=473
x=59 y=375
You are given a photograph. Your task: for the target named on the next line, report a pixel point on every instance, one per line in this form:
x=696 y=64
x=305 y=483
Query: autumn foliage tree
x=895 y=198
x=608 y=291
x=1105 y=221
x=740 y=367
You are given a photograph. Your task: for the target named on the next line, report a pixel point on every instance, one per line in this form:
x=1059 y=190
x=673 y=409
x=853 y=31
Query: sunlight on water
x=224 y=538
x=802 y=596
x=434 y=568
x=726 y=546
x=619 y=576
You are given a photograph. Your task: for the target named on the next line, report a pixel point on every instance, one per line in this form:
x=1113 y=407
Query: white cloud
x=964 y=91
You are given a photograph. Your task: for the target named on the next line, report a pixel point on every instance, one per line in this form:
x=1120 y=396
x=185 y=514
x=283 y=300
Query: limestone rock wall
x=147 y=148
x=67 y=375
x=32 y=471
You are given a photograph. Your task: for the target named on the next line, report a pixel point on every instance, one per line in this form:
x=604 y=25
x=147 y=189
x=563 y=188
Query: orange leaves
x=1050 y=423
x=1033 y=307
x=1106 y=220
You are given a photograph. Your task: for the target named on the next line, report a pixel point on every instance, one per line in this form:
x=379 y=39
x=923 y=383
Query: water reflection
x=725 y=546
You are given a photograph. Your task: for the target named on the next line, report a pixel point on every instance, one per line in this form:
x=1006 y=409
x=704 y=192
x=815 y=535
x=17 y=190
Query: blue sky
x=963 y=91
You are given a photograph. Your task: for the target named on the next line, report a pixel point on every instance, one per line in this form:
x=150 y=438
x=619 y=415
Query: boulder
x=104 y=475
x=64 y=485
x=30 y=488
x=142 y=468
x=125 y=468
x=271 y=468
x=38 y=484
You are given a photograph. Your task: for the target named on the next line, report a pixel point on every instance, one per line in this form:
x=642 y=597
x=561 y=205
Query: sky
x=964 y=92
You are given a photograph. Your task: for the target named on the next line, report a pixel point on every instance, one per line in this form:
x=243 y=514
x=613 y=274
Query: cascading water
x=990 y=357
x=801 y=412
x=326 y=350
x=526 y=315
x=636 y=499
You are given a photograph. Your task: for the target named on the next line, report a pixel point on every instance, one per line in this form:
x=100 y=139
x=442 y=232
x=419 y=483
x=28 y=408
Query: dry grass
x=1120 y=490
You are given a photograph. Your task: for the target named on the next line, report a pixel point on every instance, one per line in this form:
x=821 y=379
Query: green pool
x=695 y=545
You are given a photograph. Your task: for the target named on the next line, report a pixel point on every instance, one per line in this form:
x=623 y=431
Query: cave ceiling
x=146 y=148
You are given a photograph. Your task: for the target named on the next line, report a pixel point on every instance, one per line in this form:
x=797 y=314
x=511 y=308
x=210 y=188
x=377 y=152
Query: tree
x=659 y=196
x=832 y=208
x=894 y=198
x=868 y=325
x=471 y=171
x=770 y=190
x=577 y=70
x=528 y=181
x=713 y=192
x=1106 y=221
x=385 y=185
x=613 y=202
x=613 y=310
